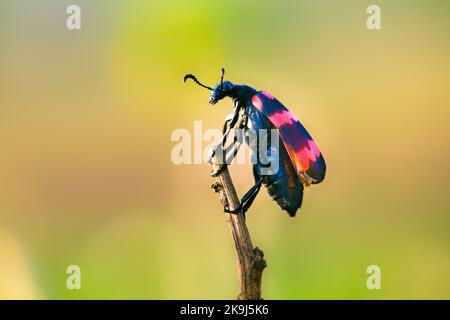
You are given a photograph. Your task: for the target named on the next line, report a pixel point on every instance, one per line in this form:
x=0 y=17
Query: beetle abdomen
x=285 y=187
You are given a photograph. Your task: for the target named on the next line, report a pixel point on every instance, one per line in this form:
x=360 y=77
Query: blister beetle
x=300 y=161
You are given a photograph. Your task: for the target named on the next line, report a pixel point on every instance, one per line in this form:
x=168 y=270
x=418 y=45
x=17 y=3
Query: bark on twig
x=250 y=261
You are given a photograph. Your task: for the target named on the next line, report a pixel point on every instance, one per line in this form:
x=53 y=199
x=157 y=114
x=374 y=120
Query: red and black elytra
x=300 y=161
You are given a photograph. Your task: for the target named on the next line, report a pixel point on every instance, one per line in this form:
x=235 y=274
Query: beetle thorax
x=242 y=93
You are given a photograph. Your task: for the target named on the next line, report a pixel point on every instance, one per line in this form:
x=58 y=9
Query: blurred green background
x=86 y=176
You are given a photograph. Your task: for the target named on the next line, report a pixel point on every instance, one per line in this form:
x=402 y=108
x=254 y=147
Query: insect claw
x=235 y=211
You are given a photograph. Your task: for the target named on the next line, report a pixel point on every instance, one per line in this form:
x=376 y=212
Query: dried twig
x=250 y=261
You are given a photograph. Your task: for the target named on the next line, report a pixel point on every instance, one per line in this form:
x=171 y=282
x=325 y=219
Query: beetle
x=300 y=161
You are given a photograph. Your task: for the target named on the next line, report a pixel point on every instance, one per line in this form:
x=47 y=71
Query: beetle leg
x=236 y=146
x=249 y=197
x=230 y=122
x=229 y=118
x=232 y=119
x=237 y=141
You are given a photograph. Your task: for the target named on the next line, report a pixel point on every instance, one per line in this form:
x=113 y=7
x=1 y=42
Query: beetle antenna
x=190 y=76
x=222 y=74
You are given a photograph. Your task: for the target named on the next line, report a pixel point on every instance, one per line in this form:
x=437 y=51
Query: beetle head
x=220 y=91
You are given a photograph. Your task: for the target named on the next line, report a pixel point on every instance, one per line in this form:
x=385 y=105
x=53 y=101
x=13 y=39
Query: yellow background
x=86 y=176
